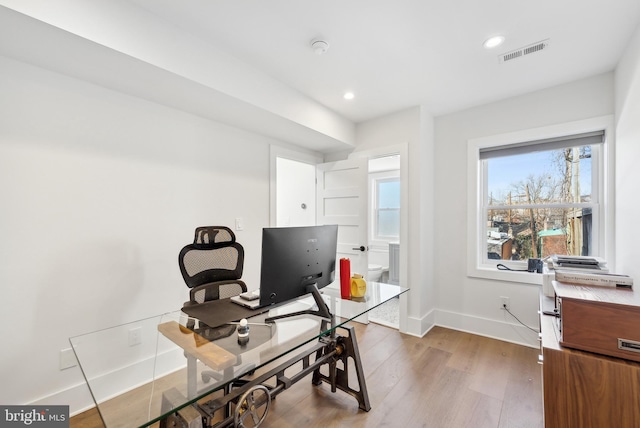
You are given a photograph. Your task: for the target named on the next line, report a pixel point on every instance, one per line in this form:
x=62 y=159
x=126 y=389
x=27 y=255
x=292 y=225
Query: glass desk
x=174 y=370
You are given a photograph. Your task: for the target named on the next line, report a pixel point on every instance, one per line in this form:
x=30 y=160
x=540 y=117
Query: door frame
x=401 y=149
x=315 y=158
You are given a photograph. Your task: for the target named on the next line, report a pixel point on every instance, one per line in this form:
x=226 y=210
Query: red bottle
x=345 y=278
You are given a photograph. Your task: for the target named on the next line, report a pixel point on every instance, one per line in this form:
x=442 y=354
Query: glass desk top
x=131 y=368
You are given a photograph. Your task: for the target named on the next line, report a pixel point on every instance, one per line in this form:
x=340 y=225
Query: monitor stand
x=322 y=311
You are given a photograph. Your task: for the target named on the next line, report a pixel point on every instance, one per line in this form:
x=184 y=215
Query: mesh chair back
x=214 y=256
x=217 y=290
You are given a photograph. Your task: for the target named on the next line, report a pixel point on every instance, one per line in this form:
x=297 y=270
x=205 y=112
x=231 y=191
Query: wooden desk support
x=210 y=354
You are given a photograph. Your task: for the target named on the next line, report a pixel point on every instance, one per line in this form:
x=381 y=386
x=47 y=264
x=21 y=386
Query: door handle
x=361 y=248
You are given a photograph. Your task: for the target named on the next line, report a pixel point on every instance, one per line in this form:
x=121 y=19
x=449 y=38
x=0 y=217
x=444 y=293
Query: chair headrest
x=214 y=256
x=207 y=236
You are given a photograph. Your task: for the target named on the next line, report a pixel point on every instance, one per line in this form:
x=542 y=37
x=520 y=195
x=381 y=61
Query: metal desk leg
x=345 y=347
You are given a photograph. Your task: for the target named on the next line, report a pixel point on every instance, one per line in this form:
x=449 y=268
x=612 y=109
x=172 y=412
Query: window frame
x=374 y=178
x=603 y=191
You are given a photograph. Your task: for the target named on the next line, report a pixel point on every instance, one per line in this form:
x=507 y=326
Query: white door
x=341 y=192
x=295 y=193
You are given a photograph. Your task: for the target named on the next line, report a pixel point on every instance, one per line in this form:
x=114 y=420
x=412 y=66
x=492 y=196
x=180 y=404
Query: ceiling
x=398 y=54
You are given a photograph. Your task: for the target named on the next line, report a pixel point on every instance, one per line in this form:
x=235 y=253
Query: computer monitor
x=294 y=258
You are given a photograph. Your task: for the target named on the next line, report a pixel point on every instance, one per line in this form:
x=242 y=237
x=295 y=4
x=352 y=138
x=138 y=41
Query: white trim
x=495 y=329
x=77 y=397
x=505 y=331
x=117 y=382
x=419 y=327
x=403 y=150
x=605 y=195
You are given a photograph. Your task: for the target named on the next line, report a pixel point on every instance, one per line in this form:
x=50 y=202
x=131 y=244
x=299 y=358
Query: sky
x=504 y=171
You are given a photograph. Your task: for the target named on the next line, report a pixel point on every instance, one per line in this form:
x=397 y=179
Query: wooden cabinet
x=583 y=389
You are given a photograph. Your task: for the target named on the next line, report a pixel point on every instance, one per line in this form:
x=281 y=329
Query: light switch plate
x=239 y=223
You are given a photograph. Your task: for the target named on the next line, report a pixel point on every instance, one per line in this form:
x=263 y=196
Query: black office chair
x=212 y=265
x=212 y=268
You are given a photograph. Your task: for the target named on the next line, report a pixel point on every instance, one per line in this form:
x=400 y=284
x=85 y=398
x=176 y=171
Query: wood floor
x=445 y=379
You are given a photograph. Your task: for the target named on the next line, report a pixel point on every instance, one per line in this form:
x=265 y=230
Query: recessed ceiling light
x=349 y=95
x=493 y=42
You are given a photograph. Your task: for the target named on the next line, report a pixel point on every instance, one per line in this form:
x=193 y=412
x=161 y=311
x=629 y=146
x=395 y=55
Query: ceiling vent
x=527 y=50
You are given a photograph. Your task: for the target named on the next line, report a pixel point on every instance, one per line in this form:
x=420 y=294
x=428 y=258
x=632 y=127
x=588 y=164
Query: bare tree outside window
x=538 y=204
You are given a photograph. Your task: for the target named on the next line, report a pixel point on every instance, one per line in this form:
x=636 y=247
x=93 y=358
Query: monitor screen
x=294 y=258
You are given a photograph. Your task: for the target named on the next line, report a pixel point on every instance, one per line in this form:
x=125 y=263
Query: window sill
x=493 y=273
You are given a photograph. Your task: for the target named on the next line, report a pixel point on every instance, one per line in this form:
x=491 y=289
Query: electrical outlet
x=504 y=302
x=135 y=336
x=67 y=359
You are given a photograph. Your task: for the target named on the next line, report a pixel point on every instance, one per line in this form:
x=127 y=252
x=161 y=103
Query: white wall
x=627 y=90
x=100 y=191
x=471 y=304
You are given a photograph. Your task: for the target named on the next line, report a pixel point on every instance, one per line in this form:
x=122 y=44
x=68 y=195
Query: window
x=387 y=209
x=536 y=197
x=385 y=206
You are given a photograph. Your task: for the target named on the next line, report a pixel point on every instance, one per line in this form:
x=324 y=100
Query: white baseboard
x=495 y=329
x=77 y=397
x=419 y=326
x=116 y=382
